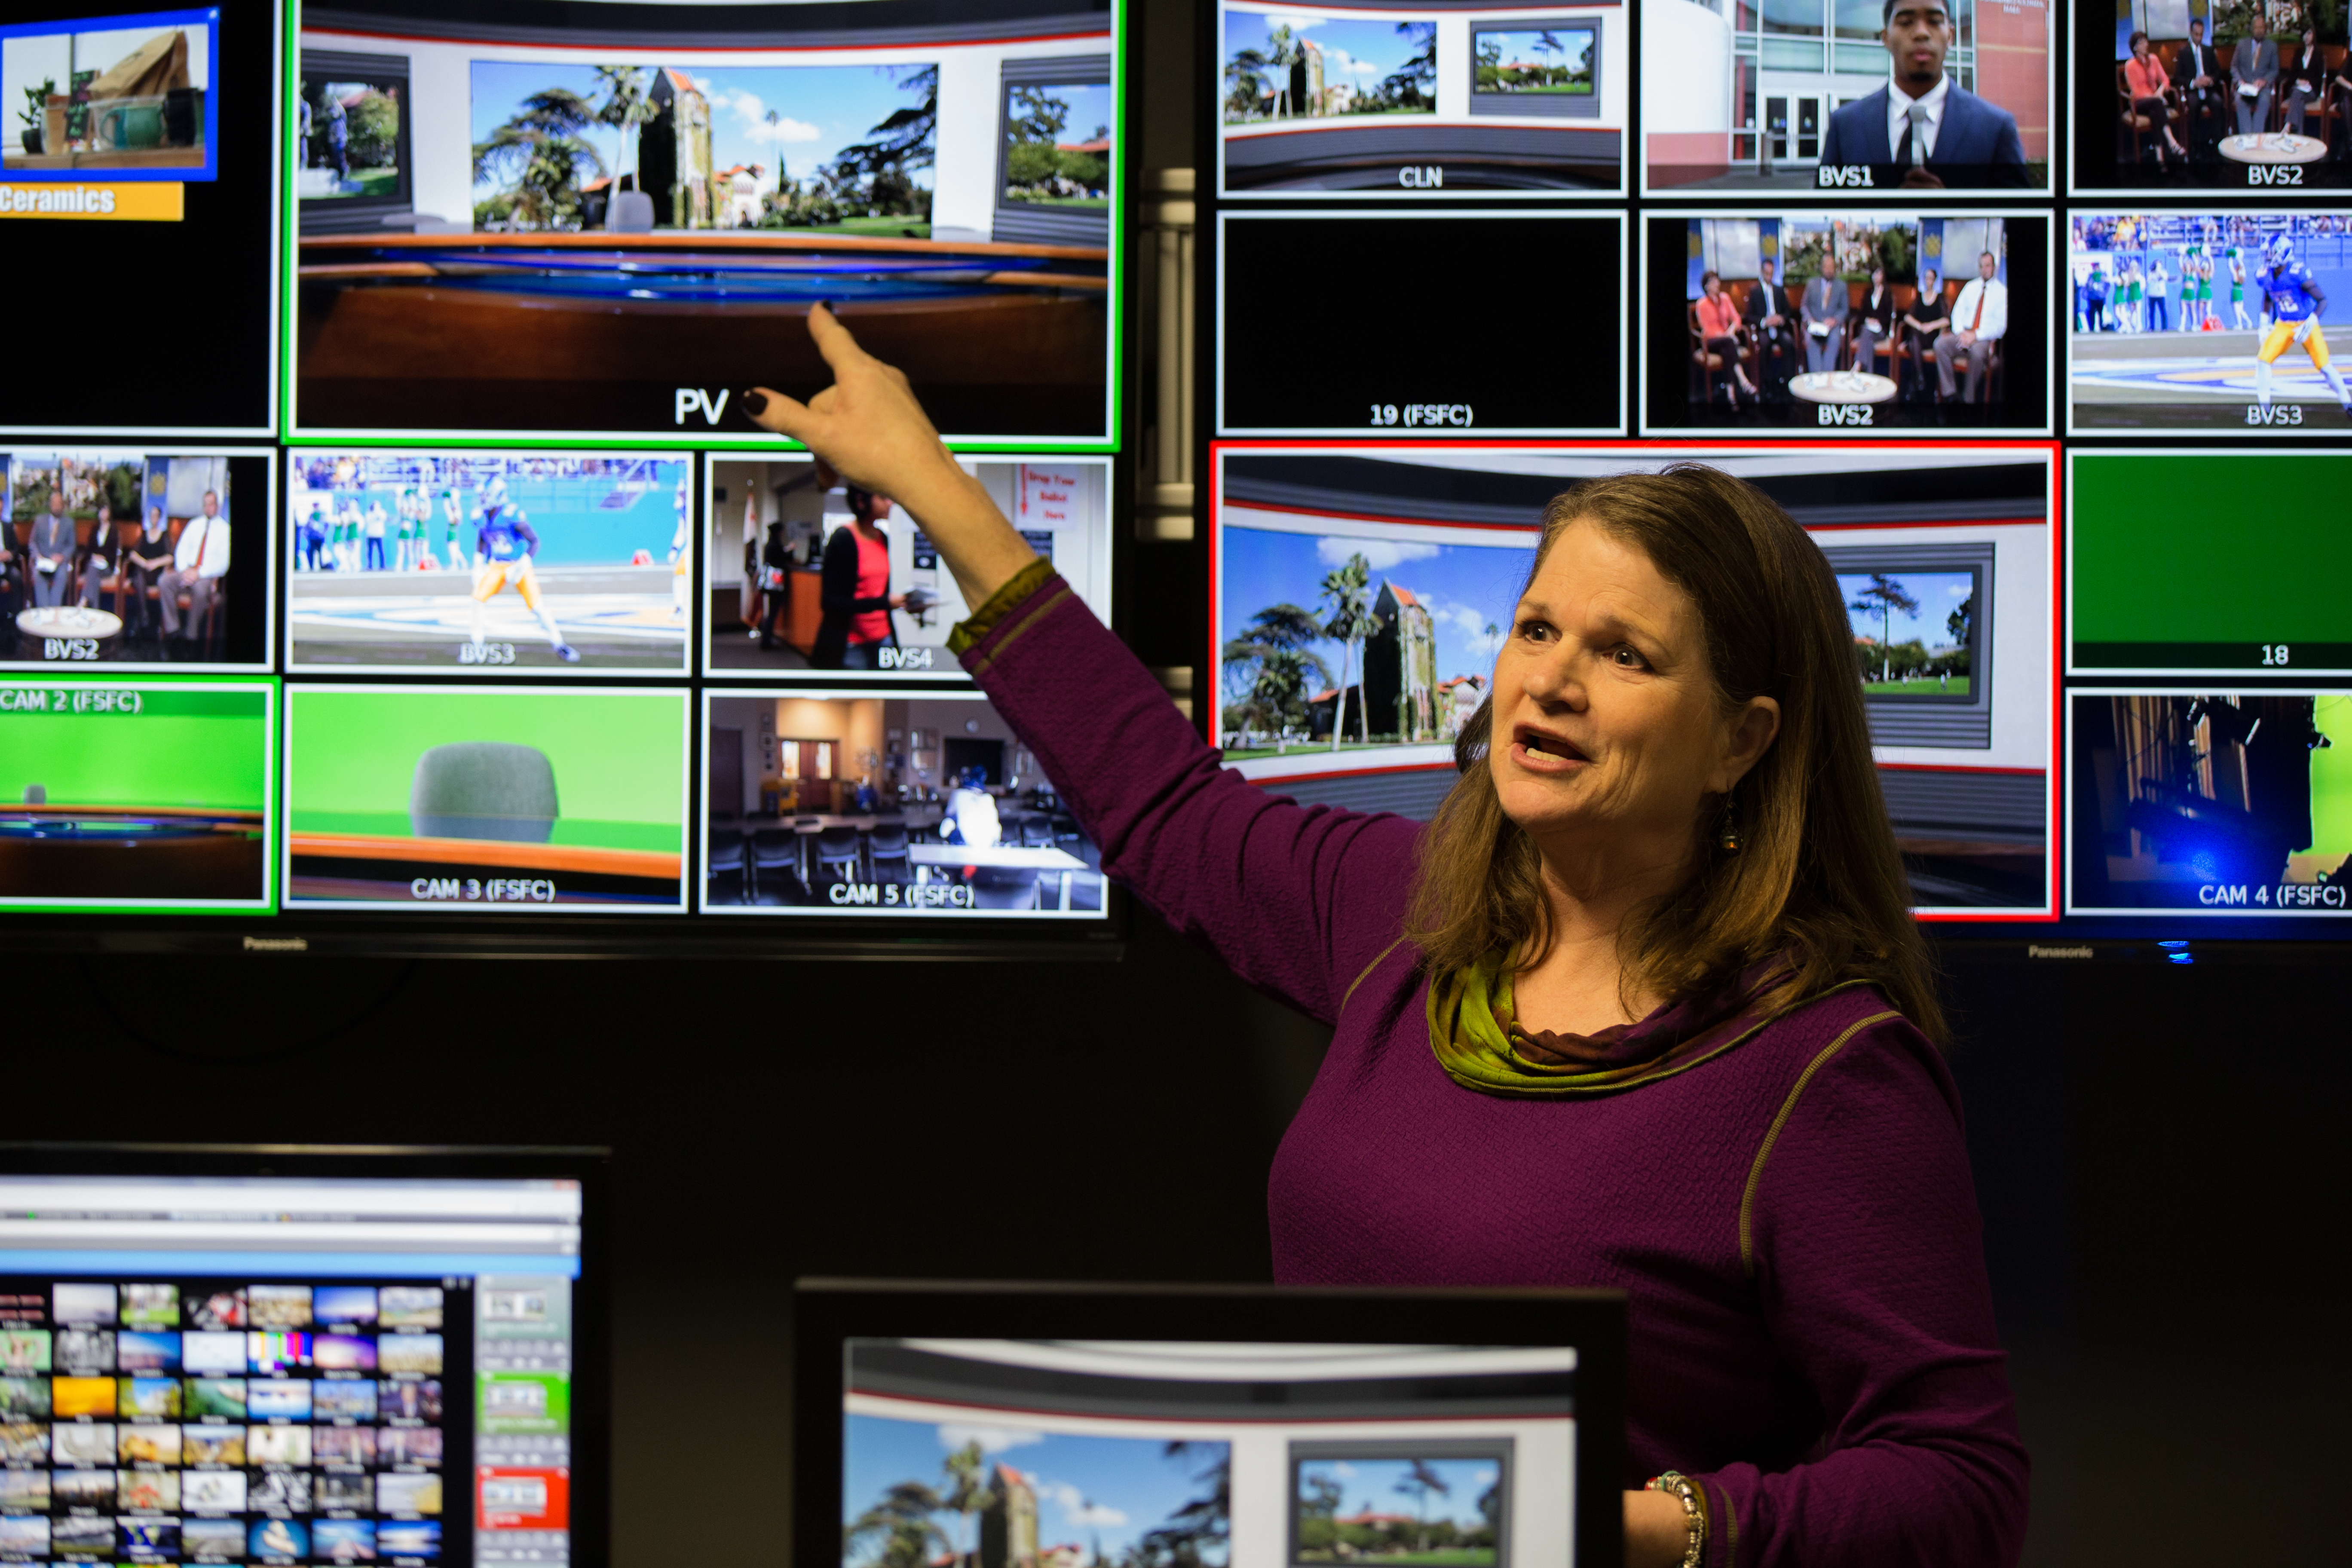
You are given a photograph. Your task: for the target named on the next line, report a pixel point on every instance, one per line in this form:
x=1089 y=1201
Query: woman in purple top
x=1642 y=1007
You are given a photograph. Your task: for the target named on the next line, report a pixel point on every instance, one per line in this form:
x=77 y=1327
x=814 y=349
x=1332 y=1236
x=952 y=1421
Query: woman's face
x=1608 y=730
x=2139 y=48
x=1711 y=285
x=1878 y=278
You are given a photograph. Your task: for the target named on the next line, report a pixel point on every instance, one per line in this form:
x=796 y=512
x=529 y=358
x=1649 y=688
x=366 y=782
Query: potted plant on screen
x=35 y=112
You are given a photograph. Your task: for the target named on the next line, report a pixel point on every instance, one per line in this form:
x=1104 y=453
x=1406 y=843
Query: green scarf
x=1480 y=1044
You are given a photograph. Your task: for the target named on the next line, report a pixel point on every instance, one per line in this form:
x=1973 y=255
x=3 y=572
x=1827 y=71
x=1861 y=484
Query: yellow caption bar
x=150 y=201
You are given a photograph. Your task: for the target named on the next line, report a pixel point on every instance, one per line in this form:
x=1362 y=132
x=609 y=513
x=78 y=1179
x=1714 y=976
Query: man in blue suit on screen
x=1923 y=123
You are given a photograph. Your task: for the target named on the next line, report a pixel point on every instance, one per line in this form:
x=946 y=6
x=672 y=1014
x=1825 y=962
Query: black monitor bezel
x=828 y=1312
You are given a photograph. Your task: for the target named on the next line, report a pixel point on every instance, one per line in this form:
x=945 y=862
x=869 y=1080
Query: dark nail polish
x=755 y=404
x=829 y=306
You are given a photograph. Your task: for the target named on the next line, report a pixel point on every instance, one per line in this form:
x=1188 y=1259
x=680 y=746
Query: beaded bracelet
x=1693 y=1516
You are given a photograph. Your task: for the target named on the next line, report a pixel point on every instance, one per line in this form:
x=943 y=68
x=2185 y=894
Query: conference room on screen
x=1835 y=323
x=1359 y=597
x=2186 y=97
x=1743 y=97
x=581 y=223
x=137 y=793
x=1419 y=101
x=126 y=555
x=488 y=798
x=771 y=521
x=2207 y=322
x=1509 y=324
x=886 y=805
x=134 y=142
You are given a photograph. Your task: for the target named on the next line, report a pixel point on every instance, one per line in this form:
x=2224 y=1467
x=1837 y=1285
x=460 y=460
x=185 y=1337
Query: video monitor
x=311 y=1476
x=1945 y=556
x=2210 y=322
x=490 y=799
x=124 y=557
x=2192 y=800
x=1422 y=100
x=916 y=806
x=153 y=794
x=542 y=219
x=1847 y=323
x=2203 y=561
x=478 y=562
x=1211 y=1427
x=1515 y=328
x=1817 y=95
x=137 y=184
x=779 y=528
x=2180 y=96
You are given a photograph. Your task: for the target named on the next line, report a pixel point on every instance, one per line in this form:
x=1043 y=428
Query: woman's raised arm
x=869 y=428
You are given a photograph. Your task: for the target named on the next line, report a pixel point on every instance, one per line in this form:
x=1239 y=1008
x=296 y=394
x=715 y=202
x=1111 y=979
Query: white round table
x=1842 y=386
x=2280 y=147
x=63 y=621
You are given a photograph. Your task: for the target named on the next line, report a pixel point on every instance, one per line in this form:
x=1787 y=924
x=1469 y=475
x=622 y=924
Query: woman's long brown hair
x=1818 y=883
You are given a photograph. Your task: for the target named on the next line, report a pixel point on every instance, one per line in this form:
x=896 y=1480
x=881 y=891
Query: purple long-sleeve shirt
x=1812 y=1330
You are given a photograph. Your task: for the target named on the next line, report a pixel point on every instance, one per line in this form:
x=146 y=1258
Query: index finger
x=834 y=341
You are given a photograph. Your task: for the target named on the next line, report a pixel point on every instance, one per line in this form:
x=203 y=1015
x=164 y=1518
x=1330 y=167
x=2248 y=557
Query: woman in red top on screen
x=1642 y=1007
x=854 y=591
x=1719 y=332
x=2144 y=75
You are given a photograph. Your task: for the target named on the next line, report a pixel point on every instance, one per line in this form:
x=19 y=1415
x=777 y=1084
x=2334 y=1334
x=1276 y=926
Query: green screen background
x=2331 y=777
x=619 y=757
x=203 y=749
x=2252 y=547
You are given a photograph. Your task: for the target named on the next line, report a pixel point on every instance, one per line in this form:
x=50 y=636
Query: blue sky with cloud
x=1938 y=593
x=1370 y=1485
x=800 y=116
x=1464 y=586
x=1089 y=1490
x=1358 y=53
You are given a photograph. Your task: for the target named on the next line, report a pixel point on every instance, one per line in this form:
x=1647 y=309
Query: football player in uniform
x=2292 y=302
x=503 y=546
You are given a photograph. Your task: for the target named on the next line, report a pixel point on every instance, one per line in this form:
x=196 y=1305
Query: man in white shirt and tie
x=197 y=566
x=1980 y=315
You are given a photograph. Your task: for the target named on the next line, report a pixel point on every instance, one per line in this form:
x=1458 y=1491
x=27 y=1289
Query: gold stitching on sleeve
x=1000 y=604
x=1367 y=974
x=1764 y=1150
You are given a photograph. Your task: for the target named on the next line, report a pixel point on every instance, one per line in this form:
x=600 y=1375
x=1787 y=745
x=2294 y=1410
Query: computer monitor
x=276 y=1355
x=1079 y=1426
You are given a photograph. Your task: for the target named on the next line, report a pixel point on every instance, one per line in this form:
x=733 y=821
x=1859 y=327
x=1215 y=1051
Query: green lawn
x=1579 y=90
x=1917 y=688
x=1096 y=204
x=888 y=227
x=1312 y=748
x=1443 y=1557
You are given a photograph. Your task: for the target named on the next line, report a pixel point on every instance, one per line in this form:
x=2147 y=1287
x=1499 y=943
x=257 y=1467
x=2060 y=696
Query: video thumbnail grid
x=199 y=1421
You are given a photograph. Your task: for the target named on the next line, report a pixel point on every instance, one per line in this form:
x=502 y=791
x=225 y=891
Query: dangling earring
x=1726 y=828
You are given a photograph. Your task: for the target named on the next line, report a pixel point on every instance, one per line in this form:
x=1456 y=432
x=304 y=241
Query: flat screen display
x=904 y=805
x=2182 y=97
x=125 y=556
x=1847 y=323
x=1524 y=337
x=469 y=562
x=258 y=1369
x=613 y=220
x=1790 y=96
x=149 y=794
x=1359 y=597
x=779 y=528
x=1217 y=1453
x=2207 y=323
x=137 y=191
x=2198 y=561
x=498 y=799
x=1412 y=102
